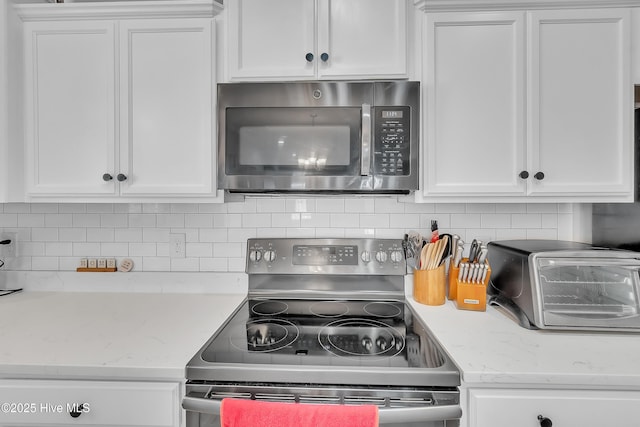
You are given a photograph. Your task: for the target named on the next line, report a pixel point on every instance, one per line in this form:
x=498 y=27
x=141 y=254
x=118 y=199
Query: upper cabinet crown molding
x=119 y=10
x=491 y=5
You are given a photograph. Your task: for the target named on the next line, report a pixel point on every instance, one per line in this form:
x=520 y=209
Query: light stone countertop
x=115 y=332
x=491 y=349
x=107 y=335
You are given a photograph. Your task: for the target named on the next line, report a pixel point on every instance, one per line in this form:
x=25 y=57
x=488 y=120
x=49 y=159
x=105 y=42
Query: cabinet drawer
x=28 y=402
x=509 y=407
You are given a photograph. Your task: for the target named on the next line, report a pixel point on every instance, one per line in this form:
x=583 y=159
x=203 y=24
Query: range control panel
x=328 y=256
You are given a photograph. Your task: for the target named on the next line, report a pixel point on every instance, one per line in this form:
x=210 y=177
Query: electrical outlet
x=177 y=245
x=8 y=251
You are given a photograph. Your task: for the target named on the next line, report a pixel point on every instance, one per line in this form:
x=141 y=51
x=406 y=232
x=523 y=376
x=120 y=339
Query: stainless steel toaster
x=553 y=284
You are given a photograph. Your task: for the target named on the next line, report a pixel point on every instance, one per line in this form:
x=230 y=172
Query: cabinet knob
x=107 y=177
x=539 y=176
x=76 y=410
x=524 y=174
x=309 y=57
x=324 y=57
x=544 y=421
x=122 y=177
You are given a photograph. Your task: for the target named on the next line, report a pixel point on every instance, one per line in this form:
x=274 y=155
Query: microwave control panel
x=392 y=141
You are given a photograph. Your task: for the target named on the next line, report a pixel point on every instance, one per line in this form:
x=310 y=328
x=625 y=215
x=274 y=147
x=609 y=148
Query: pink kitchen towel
x=251 y=413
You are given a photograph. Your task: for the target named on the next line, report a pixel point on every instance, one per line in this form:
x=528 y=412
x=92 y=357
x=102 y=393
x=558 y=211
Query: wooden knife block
x=468 y=296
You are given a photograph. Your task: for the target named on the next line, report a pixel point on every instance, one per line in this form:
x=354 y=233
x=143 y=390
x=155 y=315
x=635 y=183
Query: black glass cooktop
x=368 y=333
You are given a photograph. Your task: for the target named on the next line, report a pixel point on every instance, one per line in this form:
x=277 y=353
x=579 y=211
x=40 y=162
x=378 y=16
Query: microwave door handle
x=365 y=141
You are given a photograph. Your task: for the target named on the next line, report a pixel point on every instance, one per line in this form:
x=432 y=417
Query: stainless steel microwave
x=319 y=137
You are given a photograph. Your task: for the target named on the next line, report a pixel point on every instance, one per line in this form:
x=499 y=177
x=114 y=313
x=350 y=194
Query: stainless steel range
x=325 y=321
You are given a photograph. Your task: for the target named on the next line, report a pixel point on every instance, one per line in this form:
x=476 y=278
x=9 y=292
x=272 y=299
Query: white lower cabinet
x=563 y=408
x=89 y=403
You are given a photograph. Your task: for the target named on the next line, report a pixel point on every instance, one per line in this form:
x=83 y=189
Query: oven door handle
x=385 y=415
x=365 y=141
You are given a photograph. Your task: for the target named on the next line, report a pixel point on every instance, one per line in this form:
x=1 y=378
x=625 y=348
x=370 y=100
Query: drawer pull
x=544 y=421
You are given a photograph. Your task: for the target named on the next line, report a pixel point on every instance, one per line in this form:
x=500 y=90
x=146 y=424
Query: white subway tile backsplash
x=84 y=250
x=529 y=220
x=157 y=235
x=44 y=234
x=31 y=220
x=170 y=220
x=199 y=250
x=86 y=220
x=374 y=221
x=114 y=250
x=100 y=234
x=44 y=263
x=58 y=220
x=56 y=249
x=345 y=220
x=495 y=220
x=55 y=236
x=257 y=220
x=142 y=249
x=17 y=208
x=198 y=220
x=100 y=208
x=132 y=235
x=359 y=205
x=285 y=220
x=465 y=221
x=114 y=220
x=330 y=205
x=315 y=220
x=8 y=220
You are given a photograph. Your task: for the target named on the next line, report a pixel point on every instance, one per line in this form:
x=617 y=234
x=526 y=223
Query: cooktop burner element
x=329 y=309
x=269 y=335
x=361 y=337
x=269 y=308
x=382 y=309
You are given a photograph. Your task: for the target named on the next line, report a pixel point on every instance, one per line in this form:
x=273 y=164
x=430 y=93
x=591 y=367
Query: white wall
x=56 y=236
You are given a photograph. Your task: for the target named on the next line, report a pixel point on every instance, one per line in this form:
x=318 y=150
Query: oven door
x=296 y=148
x=203 y=411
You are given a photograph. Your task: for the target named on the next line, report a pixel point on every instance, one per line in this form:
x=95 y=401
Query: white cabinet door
x=271 y=38
x=166 y=107
x=316 y=39
x=509 y=408
x=475 y=80
x=580 y=103
x=104 y=403
x=69 y=107
x=365 y=38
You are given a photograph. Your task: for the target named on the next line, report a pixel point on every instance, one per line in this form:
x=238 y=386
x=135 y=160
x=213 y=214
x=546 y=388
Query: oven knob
x=366 y=256
x=255 y=255
x=269 y=256
x=397 y=256
x=381 y=257
x=382 y=343
x=366 y=343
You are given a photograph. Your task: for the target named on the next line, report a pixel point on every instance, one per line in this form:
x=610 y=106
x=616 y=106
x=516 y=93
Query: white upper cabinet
x=316 y=39
x=475 y=103
x=580 y=104
x=166 y=87
x=70 y=104
x=122 y=108
x=541 y=115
